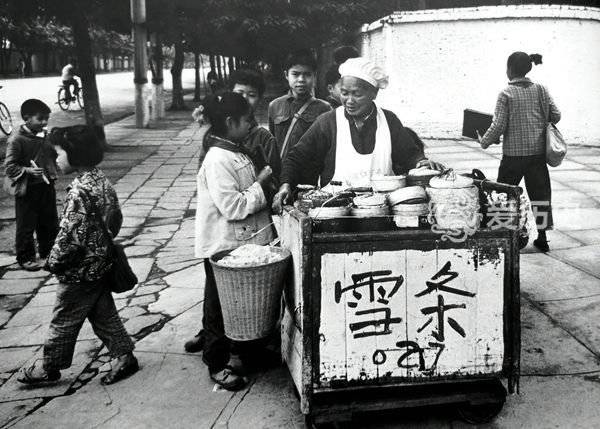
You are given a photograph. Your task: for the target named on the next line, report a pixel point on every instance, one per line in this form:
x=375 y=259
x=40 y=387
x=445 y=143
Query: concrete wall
x=443 y=61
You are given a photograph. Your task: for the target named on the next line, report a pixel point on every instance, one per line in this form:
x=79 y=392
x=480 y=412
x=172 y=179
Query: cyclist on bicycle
x=68 y=78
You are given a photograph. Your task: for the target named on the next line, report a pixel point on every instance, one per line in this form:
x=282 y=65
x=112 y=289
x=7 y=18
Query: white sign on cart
x=411 y=313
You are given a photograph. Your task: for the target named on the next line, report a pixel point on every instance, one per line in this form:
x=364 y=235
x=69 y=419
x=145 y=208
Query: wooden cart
x=401 y=318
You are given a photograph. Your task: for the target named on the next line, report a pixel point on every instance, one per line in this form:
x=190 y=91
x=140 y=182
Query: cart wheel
x=309 y=422
x=481 y=413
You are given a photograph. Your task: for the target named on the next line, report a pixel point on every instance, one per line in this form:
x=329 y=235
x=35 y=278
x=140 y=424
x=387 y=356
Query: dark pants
x=35 y=212
x=75 y=303
x=67 y=84
x=217 y=347
x=537 y=182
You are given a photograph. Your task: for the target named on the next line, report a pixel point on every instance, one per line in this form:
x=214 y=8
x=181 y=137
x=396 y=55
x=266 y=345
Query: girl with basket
x=231 y=211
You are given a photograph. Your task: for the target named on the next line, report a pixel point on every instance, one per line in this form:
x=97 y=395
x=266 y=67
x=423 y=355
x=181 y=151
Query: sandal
x=228 y=379
x=43 y=378
x=126 y=369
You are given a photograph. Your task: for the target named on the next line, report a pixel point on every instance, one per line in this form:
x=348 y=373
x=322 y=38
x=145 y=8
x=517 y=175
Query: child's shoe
x=38 y=376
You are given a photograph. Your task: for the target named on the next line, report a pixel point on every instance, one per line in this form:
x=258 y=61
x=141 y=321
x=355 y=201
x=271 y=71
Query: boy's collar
x=292 y=97
x=25 y=128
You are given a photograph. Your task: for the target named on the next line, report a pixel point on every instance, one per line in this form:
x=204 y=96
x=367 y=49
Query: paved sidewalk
x=154 y=171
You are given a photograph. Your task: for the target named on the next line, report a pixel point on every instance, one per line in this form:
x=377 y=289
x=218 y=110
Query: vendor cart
x=378 y=320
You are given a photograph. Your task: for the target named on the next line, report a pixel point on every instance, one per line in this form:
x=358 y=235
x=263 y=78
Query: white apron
x=354 y=169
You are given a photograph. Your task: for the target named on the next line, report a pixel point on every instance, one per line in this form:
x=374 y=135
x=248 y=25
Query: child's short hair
x=32 y=107
x=520 y=62
x=81 y=143
x=216 y=109
x=343 y=53
x=248 y=77
x=332 y=76
x=301 y=57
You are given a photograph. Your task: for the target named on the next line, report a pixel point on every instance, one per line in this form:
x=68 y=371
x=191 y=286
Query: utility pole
x=140 y=38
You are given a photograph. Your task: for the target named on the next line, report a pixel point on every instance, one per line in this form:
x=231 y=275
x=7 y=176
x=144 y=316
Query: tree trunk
x=27 y=57
x=211 y=59
x=177 y=97
x=231 y=65
x=85 y=63
x=219 y=71
x=197 y=94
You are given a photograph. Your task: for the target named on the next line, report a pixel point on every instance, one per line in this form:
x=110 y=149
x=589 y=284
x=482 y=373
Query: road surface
x=116 y=95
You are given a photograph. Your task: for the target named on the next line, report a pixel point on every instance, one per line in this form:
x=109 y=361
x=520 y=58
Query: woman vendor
x=354 y=142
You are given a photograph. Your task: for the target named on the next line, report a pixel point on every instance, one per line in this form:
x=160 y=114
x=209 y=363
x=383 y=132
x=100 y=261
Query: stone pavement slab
x=544 y=278
x=547 y=349
x=580 y=317
x=84 y=352
x=586 y=236
x=171 y=390
x=550 y=402
x=586 y=258
x=15 y=410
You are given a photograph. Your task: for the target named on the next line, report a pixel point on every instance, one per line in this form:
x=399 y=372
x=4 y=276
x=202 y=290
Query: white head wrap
x=366 y=70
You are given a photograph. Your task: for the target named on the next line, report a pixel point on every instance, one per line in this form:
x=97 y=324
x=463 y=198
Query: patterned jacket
x=520 y=118
x=80 y=251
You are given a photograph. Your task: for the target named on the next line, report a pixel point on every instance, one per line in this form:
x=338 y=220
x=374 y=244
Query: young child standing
x=31 y=164
x=232 y=207
x=293 y=113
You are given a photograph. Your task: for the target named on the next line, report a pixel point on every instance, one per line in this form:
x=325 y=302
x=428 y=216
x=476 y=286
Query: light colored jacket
x=231 y=204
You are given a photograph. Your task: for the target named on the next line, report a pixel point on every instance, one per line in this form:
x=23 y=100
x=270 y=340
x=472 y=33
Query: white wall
x=443 y=61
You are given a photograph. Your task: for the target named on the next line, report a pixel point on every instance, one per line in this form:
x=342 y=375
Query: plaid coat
x=520 y=118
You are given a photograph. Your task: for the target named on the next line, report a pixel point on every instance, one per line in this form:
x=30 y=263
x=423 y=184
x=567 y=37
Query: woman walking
x=79 y=258
x=523 y=110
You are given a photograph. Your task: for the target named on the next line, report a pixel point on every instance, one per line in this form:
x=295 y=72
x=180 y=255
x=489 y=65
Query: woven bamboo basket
x=250 y=296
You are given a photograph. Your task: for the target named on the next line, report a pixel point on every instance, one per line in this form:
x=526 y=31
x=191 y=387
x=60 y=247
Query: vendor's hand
x=433 y=165
x=282 y=197
x=35 y=172
x=264 y=176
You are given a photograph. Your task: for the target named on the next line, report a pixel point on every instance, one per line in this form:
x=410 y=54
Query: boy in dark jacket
x=30 y=164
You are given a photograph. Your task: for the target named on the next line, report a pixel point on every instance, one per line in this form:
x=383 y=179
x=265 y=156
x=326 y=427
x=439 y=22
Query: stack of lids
x=408 y=204
x=421 y=176
x=370 y=205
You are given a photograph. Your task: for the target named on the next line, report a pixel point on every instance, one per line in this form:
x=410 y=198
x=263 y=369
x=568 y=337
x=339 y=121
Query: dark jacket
x=282 y=110
x=23 y=146
x=312 y=160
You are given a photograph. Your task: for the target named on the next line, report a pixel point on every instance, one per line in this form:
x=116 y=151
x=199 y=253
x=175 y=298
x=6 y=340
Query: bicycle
x=76 y=96
x=6 y=124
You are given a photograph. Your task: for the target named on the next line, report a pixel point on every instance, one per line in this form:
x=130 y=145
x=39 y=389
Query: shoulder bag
x=556 y=147
x=293 y=123
x=120 y=277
